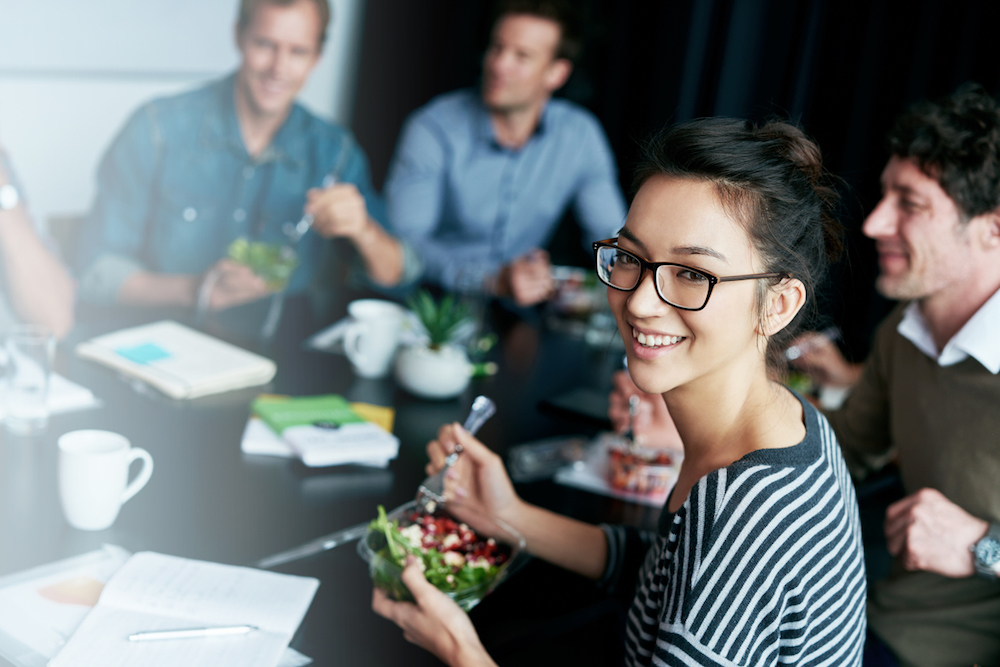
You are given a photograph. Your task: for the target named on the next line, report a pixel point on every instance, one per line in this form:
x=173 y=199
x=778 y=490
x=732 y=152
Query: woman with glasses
x=757 y=559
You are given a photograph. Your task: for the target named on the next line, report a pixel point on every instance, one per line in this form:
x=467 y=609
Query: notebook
x=322 y=430
x=177 y=360
x=157 y=592
x=40 y=608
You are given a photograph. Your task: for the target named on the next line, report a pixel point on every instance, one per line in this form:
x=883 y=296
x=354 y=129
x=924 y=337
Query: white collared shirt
x=979 y=338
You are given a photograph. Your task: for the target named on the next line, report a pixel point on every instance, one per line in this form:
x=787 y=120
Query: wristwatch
x=9 y=197
x=986 y=553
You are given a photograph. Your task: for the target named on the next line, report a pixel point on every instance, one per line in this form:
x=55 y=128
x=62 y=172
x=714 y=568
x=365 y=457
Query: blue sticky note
x=146 y=353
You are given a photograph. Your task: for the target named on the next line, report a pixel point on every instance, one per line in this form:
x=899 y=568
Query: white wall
x=71 y=71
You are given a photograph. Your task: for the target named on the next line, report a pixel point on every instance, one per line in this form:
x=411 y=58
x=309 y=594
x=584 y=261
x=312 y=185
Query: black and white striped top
x=761 y=565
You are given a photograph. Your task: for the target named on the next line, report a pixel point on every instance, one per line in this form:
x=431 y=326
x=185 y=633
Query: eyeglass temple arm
x=751 y=276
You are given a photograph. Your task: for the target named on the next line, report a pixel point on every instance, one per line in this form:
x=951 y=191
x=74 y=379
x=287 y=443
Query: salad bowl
x=463 y=553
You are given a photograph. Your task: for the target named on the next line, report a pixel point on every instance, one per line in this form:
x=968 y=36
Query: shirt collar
x=977 y=338
x=222 y=129
x=486 y=126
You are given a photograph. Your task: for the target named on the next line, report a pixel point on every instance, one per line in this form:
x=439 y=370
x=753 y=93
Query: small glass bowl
x=641 y=470
x=387 y=575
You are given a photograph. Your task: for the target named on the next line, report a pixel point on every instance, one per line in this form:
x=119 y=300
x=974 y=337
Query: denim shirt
x=177 y=186
x=469 y=205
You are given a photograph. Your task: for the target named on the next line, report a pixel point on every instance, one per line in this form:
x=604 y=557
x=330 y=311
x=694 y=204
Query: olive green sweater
x=943 y=424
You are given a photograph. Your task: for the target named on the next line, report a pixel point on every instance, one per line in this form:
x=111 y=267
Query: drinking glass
x=29 y=349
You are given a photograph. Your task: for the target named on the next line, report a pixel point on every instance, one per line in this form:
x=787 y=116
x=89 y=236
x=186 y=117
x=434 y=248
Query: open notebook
x=177 y=360
x=158 y=592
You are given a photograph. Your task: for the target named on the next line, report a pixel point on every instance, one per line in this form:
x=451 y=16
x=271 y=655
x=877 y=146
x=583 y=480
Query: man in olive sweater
x=929 y=393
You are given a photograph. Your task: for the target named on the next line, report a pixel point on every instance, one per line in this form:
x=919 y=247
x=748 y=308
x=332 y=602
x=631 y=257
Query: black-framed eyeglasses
x=681 y=286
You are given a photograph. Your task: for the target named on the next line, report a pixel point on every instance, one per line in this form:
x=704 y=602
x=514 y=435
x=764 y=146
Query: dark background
x=841 y=69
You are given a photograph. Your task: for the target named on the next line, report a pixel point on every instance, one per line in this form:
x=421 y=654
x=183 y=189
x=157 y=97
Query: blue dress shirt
x=468 y=205
x=177 y=186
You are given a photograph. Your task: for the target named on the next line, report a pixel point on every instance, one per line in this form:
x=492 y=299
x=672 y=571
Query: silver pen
x=155 y=635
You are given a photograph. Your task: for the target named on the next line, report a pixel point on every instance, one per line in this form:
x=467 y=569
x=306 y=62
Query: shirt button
x=248 y=172
x=239 y=215
x=190 y=214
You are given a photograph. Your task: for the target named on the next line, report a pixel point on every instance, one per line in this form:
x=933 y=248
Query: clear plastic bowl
x=387 y=575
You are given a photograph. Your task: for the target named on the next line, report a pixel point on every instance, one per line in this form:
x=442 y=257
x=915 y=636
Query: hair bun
x=796 y=147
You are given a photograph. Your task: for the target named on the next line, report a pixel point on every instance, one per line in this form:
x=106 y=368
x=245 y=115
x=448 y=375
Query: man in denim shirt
x=238 y=158
x=480 y=179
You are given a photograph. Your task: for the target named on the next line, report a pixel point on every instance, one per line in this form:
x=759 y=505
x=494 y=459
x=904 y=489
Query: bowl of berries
x=462 y=553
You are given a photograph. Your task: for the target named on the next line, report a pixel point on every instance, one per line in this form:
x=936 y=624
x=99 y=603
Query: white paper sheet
x=157 y=592
x=67 y=396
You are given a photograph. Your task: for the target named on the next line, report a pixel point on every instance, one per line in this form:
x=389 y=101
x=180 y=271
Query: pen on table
x=155 y=635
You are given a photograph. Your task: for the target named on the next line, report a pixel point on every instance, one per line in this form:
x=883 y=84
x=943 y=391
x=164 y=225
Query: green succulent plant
x=440 y=318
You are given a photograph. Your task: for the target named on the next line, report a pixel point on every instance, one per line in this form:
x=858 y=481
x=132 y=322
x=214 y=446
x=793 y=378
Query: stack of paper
x=179 y=361
x=154 y=592
x=322 y=431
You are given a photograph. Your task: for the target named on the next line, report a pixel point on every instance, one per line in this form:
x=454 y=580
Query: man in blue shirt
x=481 y=179
x=189 y=174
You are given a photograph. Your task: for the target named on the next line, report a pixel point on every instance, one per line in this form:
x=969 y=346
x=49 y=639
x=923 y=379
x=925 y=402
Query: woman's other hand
x=433 y=621
x=653 y=425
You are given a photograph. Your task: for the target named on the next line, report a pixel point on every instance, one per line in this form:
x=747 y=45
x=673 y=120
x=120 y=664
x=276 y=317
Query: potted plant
x=435 y=367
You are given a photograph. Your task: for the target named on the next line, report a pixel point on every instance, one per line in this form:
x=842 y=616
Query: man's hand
x=338 y=211
x=528 y=279
x=822 y=360
x=230 y=284
x=653 y=425
x=926 y=531
x=433 y=621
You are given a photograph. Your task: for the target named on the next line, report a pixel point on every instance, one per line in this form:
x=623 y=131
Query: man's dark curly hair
x=955 y=140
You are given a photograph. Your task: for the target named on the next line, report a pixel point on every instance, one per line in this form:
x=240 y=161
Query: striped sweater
x=761 y=565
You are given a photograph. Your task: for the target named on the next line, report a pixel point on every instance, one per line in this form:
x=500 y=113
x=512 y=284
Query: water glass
x=29 y=349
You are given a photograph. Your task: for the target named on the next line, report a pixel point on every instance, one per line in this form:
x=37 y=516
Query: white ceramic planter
x=437 y=374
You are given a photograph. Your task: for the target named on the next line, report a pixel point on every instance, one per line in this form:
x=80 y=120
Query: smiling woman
x=757 y=560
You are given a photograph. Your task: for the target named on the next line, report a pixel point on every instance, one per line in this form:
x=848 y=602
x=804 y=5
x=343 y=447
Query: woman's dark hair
x=771 y=179
x=956 y=141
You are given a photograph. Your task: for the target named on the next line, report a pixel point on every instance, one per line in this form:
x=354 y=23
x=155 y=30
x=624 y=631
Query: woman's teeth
x=655 y=341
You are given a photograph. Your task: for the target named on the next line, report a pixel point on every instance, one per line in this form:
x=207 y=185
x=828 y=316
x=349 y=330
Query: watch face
x=8 y=197
x=988 y=551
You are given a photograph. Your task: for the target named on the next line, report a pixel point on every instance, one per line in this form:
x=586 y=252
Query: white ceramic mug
x=93 y=476
x=370 y=341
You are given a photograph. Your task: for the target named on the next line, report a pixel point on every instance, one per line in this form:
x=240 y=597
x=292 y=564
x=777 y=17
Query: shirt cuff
x=103 y=279
x=413 y=265
x=615 y=537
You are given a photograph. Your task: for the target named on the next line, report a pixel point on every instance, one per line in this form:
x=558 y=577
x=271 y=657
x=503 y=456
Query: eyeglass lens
x=678 y=285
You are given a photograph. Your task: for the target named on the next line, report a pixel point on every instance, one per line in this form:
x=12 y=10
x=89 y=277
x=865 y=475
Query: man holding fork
x=238 y=158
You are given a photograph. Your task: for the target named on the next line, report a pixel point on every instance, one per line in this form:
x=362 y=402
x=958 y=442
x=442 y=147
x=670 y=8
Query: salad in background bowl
x=463 y=554
x=274 y=262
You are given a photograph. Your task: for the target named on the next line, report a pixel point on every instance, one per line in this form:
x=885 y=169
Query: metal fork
x=430 y=493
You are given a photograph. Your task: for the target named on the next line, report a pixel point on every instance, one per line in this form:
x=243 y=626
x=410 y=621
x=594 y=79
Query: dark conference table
x=207 y=500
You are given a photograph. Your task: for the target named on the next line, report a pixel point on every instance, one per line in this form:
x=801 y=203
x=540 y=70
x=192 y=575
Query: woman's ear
x=784 y=301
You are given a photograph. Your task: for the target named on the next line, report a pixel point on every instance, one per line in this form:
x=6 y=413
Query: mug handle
x=144 y=474
x=352 y=338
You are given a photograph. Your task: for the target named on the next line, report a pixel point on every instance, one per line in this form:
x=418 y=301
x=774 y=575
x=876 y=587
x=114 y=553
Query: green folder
x=281 y=412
